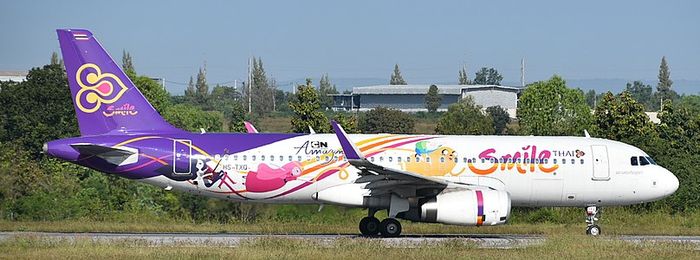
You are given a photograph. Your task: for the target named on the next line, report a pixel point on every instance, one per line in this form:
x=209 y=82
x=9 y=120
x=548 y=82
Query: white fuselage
x=535 y=171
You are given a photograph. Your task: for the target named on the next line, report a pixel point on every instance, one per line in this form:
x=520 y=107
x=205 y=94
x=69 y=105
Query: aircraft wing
x=382 y=180
x=116 y=156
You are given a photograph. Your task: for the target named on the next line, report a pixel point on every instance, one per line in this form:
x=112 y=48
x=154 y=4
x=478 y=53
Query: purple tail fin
x=105 y=99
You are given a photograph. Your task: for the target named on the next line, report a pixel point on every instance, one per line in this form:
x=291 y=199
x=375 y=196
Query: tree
x=306 y=108
x=386 y=120
x=690 y=103
x=488 y=76
x=201 y=87
x=226 y=100
x=154 y=92
x=642 y=94
x=463 y=78
x=127 y=62
x=191 y=92
x=621 y=117
x=55 y=60
x=38 y=109
x=665 y=82
x=261 y=91
x=433 y=100
x=550 y=108
x=500 y=117
x=396 y=78
x=324 y=90
x=591 y=98
x=192 y=118
x=348 y=122
x=464 y=118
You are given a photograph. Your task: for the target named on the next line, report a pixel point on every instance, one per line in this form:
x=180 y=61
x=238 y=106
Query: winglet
x=250 y=128
x=351 y=152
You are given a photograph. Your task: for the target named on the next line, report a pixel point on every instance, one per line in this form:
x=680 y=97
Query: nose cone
x=670 y=183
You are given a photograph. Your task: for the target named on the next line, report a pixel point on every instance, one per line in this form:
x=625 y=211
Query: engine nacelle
x=464 y=207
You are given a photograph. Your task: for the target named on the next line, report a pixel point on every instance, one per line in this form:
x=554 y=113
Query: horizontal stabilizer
x=114 y=155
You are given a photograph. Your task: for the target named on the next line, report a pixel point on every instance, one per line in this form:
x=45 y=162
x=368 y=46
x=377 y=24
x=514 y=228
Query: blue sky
x=430 y=40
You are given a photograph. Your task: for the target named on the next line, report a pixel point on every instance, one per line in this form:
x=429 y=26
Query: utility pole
x=250 y=83
x=522 y=72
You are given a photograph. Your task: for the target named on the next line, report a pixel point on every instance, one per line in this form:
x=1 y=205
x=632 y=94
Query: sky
x=430 y=40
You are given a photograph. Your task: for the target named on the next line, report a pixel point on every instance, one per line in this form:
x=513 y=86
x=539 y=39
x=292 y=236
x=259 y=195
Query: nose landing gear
x=592 y=215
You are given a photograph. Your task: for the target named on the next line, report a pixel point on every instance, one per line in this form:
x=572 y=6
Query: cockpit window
x=643 y=161
x=634 y=161
x=651 y=160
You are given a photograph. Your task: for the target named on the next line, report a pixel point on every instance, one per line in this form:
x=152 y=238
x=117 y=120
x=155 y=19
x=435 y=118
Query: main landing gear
x=592 y=215
x=371 y=226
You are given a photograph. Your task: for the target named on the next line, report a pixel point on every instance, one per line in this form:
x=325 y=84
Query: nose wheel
x=592 y=216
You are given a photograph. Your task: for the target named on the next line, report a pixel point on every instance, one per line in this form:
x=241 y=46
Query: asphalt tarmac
x=235 y=239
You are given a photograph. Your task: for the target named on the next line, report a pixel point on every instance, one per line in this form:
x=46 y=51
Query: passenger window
x=442 y=159
x=408 y=158
x=299 y=158
x=573 y=161
x=581 y=161
x=262 y=158
x=371 y=159
x=465 y=159
x=563 y=161
x=282 y=158
x=483 y=160
x=235 y=157
x=381 y=158
x=554 y=161
x=252 y=157
x=418 y=159
x=398 y=159
x=643 y=161
x=527 y=160
x=634 y=161
x=427 y=159
x=318 y=158
x=244 y=158
x=290 y=158
x=391 y=159
x=545 y=161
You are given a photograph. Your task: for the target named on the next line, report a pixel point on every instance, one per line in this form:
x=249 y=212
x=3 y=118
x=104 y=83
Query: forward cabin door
x=601 y=166
x=182 y=152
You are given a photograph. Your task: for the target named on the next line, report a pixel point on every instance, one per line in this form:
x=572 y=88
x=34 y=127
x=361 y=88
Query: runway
x=405 y=241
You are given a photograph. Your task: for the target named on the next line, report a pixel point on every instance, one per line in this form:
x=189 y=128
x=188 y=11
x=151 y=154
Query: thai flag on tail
x=80 y=36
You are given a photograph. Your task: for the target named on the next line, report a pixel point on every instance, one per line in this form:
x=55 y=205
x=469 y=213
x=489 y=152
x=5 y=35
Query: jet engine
x=463 y=207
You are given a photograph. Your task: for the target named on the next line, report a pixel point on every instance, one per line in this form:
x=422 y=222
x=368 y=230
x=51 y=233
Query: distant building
x=16 y=76
x=411 y=98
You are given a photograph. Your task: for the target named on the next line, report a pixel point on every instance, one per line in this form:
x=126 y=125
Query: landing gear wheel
x=592 y=216
x=369 y=226
x=593 y=230
x=390 y=228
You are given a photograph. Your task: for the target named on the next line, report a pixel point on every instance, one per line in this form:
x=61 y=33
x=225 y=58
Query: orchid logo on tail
x=96 y=88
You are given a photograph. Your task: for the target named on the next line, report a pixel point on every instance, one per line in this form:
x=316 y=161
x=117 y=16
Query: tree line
x=35 y=187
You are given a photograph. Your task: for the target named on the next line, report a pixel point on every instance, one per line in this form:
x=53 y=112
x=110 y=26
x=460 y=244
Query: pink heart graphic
x=104 y=88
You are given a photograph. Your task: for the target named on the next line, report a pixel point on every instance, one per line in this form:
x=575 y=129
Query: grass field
x=555 y=247
x=336 y=220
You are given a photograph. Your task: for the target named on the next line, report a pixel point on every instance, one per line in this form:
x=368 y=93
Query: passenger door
x=601 y=166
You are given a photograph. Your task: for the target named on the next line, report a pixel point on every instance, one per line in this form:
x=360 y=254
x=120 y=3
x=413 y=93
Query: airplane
x=450 y=179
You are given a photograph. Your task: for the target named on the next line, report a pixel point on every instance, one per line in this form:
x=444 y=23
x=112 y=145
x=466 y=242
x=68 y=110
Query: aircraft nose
x=670 y=183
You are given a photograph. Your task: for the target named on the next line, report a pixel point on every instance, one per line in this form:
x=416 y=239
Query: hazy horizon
x=581 y=41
